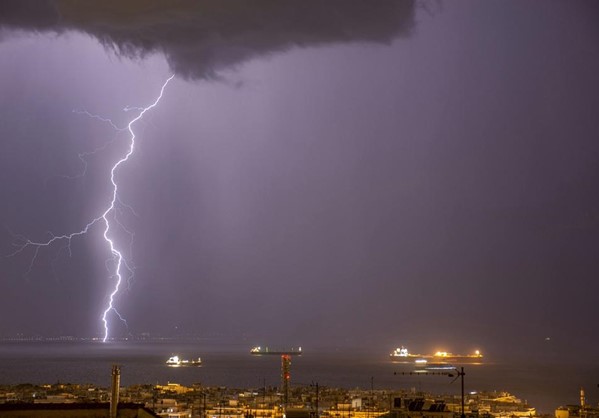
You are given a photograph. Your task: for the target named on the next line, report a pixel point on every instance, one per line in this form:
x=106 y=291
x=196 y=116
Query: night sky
x=341 y=173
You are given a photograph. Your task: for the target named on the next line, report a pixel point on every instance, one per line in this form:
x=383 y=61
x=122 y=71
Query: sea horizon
x=544 y=385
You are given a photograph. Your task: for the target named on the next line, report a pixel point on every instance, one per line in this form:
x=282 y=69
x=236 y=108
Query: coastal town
x=173 y=400
x=198 y=400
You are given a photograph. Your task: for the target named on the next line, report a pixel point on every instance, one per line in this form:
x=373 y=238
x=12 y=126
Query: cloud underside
x=201 y=37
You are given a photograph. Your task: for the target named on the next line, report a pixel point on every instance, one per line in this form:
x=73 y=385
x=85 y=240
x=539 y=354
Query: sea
x=544 y=385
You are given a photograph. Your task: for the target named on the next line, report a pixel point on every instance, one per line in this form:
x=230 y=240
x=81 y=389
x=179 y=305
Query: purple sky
x=426 y=178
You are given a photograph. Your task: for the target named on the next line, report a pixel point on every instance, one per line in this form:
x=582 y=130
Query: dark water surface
x=545 y=385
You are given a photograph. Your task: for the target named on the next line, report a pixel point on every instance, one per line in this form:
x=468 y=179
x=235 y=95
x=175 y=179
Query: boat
x=258 y=351
x=444 y=356
x=423 y=365
x=176 y=361
x=402 y=354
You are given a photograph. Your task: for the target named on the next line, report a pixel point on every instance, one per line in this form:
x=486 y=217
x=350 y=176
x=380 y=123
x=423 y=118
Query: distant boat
x=258 y=351
x=423 y=366
x=401 y=354
x=175 y=361
x=443 y=356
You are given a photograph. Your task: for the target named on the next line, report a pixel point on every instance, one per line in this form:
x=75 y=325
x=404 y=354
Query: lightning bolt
x=115 y=252
x=104 y=217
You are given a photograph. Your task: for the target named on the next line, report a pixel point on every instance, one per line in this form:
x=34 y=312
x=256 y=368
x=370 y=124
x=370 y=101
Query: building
x=73 y=410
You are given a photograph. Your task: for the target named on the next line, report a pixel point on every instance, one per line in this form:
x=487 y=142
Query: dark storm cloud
x=199 y=38
x=437 y=191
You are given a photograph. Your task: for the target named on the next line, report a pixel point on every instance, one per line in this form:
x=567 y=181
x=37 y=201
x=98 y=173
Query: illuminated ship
x=258 y=351
x=175 y=361
x=402 y=354
x=444 y=356
x=422 y=365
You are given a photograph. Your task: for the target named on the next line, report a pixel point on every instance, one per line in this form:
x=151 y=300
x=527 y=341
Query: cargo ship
x=445 y=357
x=175 y=361
x=258 y=351
x=401 y=354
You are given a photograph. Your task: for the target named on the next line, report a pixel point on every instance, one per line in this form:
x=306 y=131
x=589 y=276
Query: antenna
x=458 y=374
